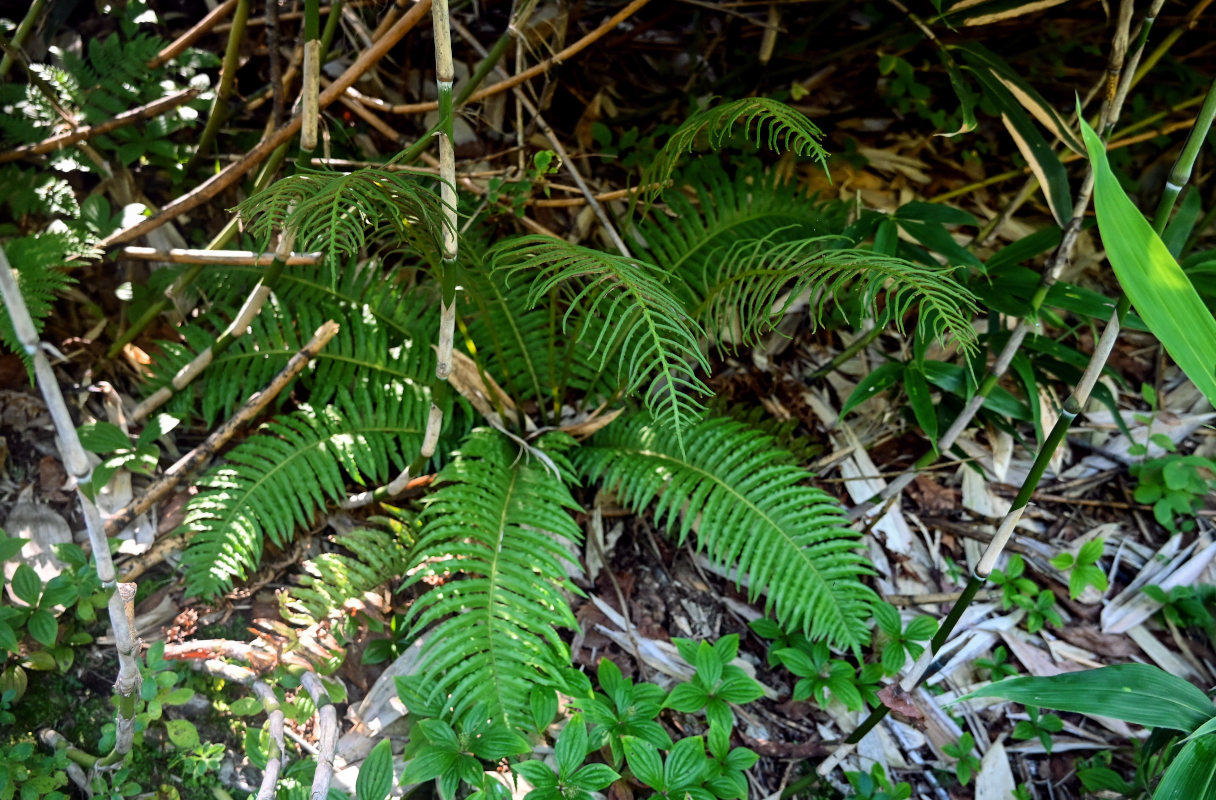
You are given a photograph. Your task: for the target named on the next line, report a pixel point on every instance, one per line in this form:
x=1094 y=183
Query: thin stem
x=232 y=56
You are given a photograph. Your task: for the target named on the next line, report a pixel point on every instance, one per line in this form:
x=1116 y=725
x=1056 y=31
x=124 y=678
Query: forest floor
x=870 y=79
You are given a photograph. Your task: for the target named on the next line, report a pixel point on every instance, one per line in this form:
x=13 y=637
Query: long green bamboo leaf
x=1158 y=288
x=1192 y=775
x=1136 y=693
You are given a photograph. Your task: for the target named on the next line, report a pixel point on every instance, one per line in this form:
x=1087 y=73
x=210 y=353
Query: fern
x=331 y=580
x=524 y=348
x=38 y=262
x=645 y=327
x=335 y=212
x=754 y=275
x=751 y=205
x=751 y=509
x=379 y=338
x=490 y=631
x=282 y=476
x=763 y=121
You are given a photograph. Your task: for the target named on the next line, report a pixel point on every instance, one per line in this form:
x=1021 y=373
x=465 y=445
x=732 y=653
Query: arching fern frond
x=524 y=348
x=688 y=240
x=754 y=275
x=761 y=121
x=337 y=213
x=365 y=348
x=751 y=510
x=645 y=327
x=279 y=478
x=489 y=628
x=331 y=580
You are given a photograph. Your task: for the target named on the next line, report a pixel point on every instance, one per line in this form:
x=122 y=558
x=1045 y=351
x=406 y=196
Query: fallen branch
x=62 y=140
x=205 y=451
x=244 y=258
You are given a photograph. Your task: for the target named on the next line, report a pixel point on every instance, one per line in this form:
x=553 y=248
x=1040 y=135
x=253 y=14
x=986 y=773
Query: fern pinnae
x=750 y=509
x=754 y=275
x=492 y=521
x=334 y=212
x=645 y=326
x=279 y=478
x=764 y=121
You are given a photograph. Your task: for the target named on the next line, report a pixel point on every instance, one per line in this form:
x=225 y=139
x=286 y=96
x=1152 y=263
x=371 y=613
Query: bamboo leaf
x=1136 y=693
x=1158 y=288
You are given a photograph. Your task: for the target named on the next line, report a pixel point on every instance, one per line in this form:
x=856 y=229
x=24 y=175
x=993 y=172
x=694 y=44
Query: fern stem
x=219 y=108
x=121 y=605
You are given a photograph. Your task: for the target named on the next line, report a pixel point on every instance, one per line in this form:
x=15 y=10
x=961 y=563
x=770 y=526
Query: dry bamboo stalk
x=122 y=601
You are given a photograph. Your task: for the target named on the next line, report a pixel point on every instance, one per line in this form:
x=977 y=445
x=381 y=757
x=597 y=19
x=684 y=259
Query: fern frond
x=489 y=628
x=368 y=346
x=760 y=120
x=754 y=275
x=332 y=579
x=751 y=510
x=688 y=241
x=279 y=478
x=524 y=348
x=337 y=213
x=38 y=262
x=645 y=327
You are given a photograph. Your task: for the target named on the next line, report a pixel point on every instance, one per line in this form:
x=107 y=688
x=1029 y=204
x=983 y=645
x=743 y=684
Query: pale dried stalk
x=445 y=74
x=244 y=318
x=327 y=735
x=121 y=606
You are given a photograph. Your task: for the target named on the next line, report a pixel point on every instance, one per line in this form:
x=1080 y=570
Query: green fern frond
x=493 y=524
x=762 y=121
x=751 y=510
x=524 y=348
x=337 y=213
x=754 y=275
x=332 y=579
x=279 y=478
x=365 y=348
x=645 y=327
x=38 y=262
x=689 y=239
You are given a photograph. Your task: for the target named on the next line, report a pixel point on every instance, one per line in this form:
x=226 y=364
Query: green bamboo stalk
x=23 y=30
x=219 y=108
x=444 y=77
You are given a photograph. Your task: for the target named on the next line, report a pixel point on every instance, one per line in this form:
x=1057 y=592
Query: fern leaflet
x=490 y=634
x=331 y=580
x=754 y=275
x=763 y=121
x=334 y=212
x=645 y=327
x=283 y=475
x=751 y=509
